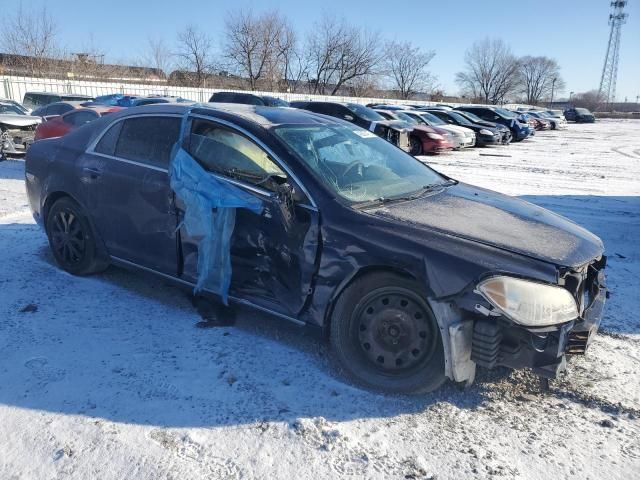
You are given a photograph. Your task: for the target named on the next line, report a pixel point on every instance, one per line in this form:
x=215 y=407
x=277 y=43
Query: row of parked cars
x=413 y=276
x=417 y=129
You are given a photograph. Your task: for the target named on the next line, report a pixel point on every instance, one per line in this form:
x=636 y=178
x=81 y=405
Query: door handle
x=94 y=173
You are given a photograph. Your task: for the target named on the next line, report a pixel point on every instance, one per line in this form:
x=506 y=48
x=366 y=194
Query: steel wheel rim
x=394 y=331
x=67 y=237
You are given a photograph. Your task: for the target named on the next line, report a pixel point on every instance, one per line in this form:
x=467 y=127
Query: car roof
x=67 y=95
x=261 y=115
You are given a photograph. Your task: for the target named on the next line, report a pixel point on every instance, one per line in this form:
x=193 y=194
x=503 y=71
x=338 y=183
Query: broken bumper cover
x=499 y=342
x=480 y=336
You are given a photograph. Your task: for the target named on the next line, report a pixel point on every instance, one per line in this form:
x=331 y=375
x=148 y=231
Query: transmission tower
x=607 y=91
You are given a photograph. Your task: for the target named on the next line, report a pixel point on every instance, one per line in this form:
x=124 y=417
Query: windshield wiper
x=403 y=198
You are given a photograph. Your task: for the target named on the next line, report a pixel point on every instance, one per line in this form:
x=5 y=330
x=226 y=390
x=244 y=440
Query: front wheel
x=385 y=336
x=416 y=146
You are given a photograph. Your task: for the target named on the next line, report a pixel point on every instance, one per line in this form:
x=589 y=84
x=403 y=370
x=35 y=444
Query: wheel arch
x=356 y=275
x=53 y=197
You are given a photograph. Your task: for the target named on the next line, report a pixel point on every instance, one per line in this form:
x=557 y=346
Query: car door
x=127 y=190
x=273 y=253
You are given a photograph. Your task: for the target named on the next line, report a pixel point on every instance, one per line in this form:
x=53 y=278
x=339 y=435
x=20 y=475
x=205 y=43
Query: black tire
x=416 y=146
x=72 y=239
x=370 y=315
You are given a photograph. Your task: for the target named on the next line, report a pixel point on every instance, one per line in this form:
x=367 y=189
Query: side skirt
x=239 y=301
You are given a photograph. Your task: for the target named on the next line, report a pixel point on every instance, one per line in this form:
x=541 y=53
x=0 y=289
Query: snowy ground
x=110 y=379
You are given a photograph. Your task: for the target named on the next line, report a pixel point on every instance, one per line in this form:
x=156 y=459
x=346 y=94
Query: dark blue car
x=519 y=130
x=413 y=276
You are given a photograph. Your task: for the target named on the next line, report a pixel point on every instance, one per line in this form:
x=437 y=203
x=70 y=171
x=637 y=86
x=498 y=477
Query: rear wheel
x=72 y=239
x=385 y=336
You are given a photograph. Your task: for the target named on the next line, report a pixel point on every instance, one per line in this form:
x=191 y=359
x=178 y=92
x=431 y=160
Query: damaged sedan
x=413 y=276
x=17 y=129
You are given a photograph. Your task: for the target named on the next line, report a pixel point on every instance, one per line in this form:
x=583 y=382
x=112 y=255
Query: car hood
x=501 y=221
x=457 y=129
x=15 y=120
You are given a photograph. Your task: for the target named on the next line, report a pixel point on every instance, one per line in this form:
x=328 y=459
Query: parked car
x=499 y=115
x=422 y=138
x=16 y=129
x=552 y=122
x=413 y=276
x=539 y=122
x=463 y=137
x=534 y=123
x=579 y=115
x=59 y=108
x=33 y=100
x=556 y=114
x=485 y=135
x=116 y=100
x=248 y=99
x=363 y=117
x=17 y=105
x=60 y=125
x=140 y=101
x=505 y=133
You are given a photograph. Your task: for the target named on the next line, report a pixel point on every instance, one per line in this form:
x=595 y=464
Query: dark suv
x=34 y=100
x=363 y=117
x=579 y=115
x=519 y=131
x=248 y=99
x=413 y=276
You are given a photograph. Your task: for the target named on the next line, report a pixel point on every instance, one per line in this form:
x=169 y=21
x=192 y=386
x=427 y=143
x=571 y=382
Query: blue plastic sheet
x=209 y=216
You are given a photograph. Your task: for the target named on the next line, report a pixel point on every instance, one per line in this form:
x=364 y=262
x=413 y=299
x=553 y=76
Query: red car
x=423 y=138
x=60 y=125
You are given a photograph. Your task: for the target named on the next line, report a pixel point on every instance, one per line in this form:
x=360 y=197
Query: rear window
x=148 y=139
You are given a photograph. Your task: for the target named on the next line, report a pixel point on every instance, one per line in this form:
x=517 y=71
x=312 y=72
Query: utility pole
x=607 y=91
x=553 y=85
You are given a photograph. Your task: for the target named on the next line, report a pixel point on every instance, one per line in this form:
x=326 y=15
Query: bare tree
x=539 y=75
x=491 y=71
x=339 y=53
x=293 y=63
x=159 y=56
x=32 y=34
x=406 y=65
x=252 y=44
x=194 y=51
x=591 y=100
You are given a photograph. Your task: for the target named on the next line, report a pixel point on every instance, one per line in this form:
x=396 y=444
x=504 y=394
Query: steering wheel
x=351 y=166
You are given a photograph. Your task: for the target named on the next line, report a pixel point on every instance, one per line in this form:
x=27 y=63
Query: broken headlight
x=529 y=303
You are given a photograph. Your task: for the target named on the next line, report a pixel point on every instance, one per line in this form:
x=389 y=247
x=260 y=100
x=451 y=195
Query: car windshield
x=406 y=118
x=431 y=119
x=505 y=113
x=364 y=112
x=459 y=118
x=583 y=111
x=8 y=108
x=472 y=116
x=356 y=164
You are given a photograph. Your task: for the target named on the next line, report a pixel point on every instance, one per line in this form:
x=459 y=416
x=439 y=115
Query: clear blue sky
x=574 y=32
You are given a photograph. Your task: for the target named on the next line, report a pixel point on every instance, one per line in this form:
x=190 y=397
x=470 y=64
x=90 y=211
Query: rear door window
x=80 y=118
x=148 y=139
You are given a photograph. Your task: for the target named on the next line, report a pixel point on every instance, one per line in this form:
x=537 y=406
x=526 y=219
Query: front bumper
x=497 y=341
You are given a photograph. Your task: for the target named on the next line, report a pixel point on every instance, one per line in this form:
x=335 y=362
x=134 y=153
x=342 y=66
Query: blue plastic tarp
x=209 y=216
